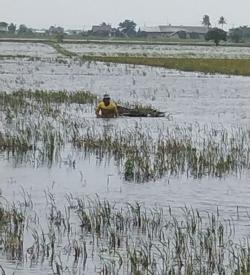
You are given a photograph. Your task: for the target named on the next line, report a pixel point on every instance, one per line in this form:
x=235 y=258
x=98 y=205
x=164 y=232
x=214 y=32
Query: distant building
x=74 y=32
x=55 y=30
x=103 y=30
x=169 y=31
x=3 y=27
x=42 y=32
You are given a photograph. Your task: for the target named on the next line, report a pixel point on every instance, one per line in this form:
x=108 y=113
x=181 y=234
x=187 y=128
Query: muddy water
x=191 y=98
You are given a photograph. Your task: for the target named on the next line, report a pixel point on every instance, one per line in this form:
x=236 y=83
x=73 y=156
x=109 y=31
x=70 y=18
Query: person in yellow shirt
x=106 y=108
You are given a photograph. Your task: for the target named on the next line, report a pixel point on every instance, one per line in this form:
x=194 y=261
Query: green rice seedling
x=22 y=97
x=14 y=144
x=145 y=158
x=133 y=239
x=141 y=156
x=11 y=231
x=129 y=170
x=142 y=258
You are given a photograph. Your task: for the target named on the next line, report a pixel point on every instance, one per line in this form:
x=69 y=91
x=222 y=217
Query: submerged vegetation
x=12 y=222
x=128 y=239
x=42 y=122
x=144 y=158
x=78 y=234
x=24 y=96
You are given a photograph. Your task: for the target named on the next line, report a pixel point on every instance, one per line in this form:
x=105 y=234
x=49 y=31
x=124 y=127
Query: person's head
x=106 y=99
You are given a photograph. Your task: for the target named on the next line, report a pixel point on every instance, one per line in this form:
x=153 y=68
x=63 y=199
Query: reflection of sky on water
x=188 y=97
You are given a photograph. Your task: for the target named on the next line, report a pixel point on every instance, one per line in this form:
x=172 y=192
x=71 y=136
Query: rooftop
x=174 y=29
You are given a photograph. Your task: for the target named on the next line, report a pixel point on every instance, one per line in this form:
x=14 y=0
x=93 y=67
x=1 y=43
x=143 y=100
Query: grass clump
x=138 y=110
x=22 y=98
x=12 y=143
x=144 y=158
x=12 y=231
x=157 y=241
x=127 y=237
x=79 y=97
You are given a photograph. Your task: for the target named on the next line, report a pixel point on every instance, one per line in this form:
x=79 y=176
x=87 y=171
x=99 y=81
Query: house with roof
x=55 y=30
x=3 y=27
x=103 y=30
x=74 y=32
x=169 y=31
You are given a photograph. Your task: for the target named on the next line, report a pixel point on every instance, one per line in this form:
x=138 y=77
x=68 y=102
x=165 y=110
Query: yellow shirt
x=107 y=111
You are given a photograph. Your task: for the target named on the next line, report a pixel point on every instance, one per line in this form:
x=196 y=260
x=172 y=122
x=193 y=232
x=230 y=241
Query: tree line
x=128 y=28
x=236 y=35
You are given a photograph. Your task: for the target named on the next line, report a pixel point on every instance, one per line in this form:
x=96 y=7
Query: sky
x=82 y=14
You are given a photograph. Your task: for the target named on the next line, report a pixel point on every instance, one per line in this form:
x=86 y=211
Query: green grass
x=142 y=159
x=78 y=39
x=126 y=237
x=43 y=96
x=79 y=97
x=210 y=66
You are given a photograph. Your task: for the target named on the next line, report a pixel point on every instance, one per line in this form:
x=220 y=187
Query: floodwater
x=192 y=100
x=159 y=50
x=189 y=97
x=27 y=49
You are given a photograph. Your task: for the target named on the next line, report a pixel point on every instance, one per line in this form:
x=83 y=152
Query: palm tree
x=206 y=21
x=222 y=21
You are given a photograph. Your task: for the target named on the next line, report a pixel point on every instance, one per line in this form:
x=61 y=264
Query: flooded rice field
x=190 y=97
x=159 y=50
x=81 y=195
x=27 y=49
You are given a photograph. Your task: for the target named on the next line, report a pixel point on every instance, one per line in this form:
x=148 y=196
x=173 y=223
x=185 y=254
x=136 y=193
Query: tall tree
x=24 y=29
x=239 y=34
x=206 y=21
x=236 y=35
x=12 y=28
x=222 y=21
x=216 y=35
x=128 y=27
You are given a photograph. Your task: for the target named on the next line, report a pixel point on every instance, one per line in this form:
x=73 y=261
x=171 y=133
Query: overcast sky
x=84 y=13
